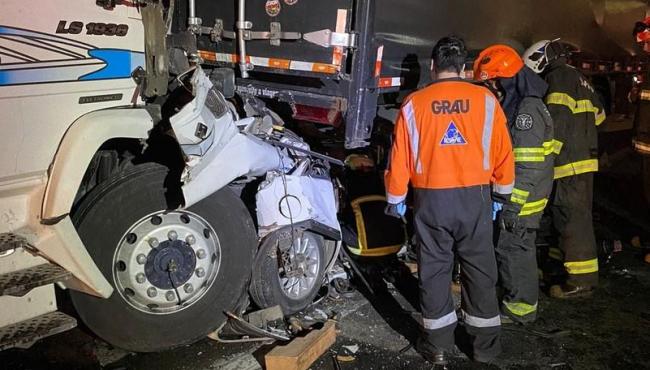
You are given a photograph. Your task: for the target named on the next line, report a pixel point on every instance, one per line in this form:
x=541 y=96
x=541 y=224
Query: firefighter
x=531 y=129
x=451 y=143
x=576 y=111
x=642 y=117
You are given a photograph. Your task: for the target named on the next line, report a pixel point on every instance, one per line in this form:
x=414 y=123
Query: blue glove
x=395 y=210
x=496 y=208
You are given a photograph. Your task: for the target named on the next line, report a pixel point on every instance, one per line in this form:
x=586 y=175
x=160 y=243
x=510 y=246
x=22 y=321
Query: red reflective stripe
x=380 y=56
x=390 y=81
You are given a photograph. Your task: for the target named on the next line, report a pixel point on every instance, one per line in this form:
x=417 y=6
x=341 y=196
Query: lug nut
x=172 y=235
x=152 y=292
x=200 y=254
x=200 y=272
x=188 y=288
x=170 y=296
x=141 y=258
x=190 y=239
x=153 y=242
x=140 y=278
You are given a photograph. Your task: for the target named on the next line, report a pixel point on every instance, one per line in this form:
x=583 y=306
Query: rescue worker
x=641 y=139
x=531 y=129
x=642 y=117
x=576 y=111
x=451 y=143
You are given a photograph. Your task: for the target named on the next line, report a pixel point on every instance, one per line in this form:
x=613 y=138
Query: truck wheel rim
x=166 y=262
x=299 y=274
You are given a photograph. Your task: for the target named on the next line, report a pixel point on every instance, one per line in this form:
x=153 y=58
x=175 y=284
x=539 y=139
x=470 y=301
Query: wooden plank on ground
x=301 y=352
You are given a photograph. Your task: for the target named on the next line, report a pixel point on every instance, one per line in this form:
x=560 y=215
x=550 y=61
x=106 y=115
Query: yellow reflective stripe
x=529 y=154
x=520 y=309
x=582 y=267
x=529 y=158
x=552 y=147
x=576 y=168
x=529 y=150
x=576 y=107
x=523 y=193
x=556 y=254
x=519 y=196
x=533 y=207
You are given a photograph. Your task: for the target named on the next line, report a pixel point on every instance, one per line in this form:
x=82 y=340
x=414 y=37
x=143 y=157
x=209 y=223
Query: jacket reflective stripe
x=490 y=106
x=553 y=147
x=520 y=308
x=576 y=107
x=433 y=324
x=582 y=267
x=503 y=189
x=556 y=254
x=529 y=154
x=576 y=168
x=519 y=196
x=538 y=154
x=533 y=207
x=414 y=134
x=479 y=322
x=641 y=146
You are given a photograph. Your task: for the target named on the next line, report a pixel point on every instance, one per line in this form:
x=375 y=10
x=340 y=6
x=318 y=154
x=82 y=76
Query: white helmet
x=536 y=57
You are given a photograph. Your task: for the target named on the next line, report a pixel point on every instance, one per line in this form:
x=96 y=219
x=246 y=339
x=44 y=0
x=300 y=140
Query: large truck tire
x=291 y=282
x=174 y=272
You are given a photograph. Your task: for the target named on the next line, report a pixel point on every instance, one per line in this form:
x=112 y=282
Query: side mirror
x=223 y=80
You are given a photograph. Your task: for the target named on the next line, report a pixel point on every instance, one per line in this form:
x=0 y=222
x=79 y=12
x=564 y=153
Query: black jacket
x=531 y=129
x=576 y=110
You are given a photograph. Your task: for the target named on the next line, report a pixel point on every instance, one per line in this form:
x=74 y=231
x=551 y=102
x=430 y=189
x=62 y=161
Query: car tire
x=267 y=288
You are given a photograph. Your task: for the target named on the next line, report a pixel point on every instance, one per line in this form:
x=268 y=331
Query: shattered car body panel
x=220 y=150
x=283 y=200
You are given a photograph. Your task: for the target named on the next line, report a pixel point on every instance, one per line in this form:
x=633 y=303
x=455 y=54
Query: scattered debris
x=107 y=354
x=556 y=333
x=352 y=348
x=621 y=272
x=345 y=358
x=321 y=313
x=259 y=326
x=406 y=349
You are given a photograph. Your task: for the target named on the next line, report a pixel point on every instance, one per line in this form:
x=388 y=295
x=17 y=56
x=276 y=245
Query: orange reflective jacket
x=452 y=134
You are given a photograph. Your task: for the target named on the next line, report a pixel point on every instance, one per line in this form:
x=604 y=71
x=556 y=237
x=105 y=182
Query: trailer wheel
x=174 y=271
x=289 y=279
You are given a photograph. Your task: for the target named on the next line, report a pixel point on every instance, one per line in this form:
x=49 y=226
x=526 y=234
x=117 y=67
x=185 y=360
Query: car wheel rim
x=166 y=262
x=299 y=272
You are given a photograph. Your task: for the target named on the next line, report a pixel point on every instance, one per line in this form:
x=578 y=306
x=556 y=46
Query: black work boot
x=431 y=353
x=568 y=291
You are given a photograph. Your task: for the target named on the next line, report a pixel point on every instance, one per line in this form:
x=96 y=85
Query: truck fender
x=84 y=137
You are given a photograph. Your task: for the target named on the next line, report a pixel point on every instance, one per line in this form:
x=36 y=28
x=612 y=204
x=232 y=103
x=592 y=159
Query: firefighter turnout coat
x=534 y=150
x=576 y=110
